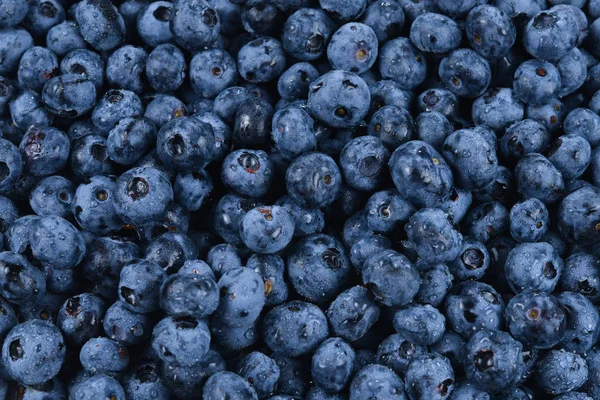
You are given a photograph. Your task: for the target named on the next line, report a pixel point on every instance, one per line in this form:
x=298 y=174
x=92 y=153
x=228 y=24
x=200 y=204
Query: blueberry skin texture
x=248 y=172
x=385 y=18
x=536 y=319
x=592 y=359
x=583 y=322
x=387 y=92
x=165 y=68
x=402 y=62
x=153 y=23
x=228 y=384
x=184 y=341
x=435 y=284
x=533 y=266
x=143 y=381
x=571 y=155
x=536 y=82
x=56 y=242
x=164 y=108
x=105 y=356
x=422 y=324
x=194 y=24
x=267 y=230
x=473 y=158
x=44 y=150
x=36 y=67
x=64 y=37
x=222 y=258
x=13 y=44
x=222 y=133
x=293 y=132
x=21 y=282
x=126 y=326
x=465 y=73
x=339 y=99
x=583 y=122
x=8 y=319
x=242 y=297
x=472 y=306
x=551 y=34
x=529 y=220
x=313 y=180
x=435 y=33
x=430 y=376
x=80 y=318
x=332 y=364
x=318 y=268
x=306 y=33
x=493 y=360
x=490 y=31
x=498 y=108
x=86 y=63
x=191 y=190
x=261 y=371
x=353 y=47
x=385 y=273
x=16 y=237
x=43 y=15
x=89 y=157
x=93 y=208
x=377 y=381
x=524 y=137
x=306 y=221
x=185 y=144
x=421 y=174
x=100 y=24
x=393 y=125
x=113 y=106
x=13 y=12
x=352 y=313
x=315 y=393
x=33 y=352
x=97 y=387
x=189 y=295
x=26 y=109
x=252 y=125
x=473 y=261
x=11 y=165
x=432 y=236
x=341 y=10
x=459 y=203
x=537 y=177
x=577 y=217
x=124 y=68
x=139 y=285
x=261 y=60
x=295 y=328
x=294 y=82
x=171 y=249
x=142 y=194
x=69 y=95
x=271 y=268
x=387 y=210
x=397 y=352
x=561 y=371
x=582 y=274
x=573 y=72
x=362 y=161
x=130 y=139
x=211 y=72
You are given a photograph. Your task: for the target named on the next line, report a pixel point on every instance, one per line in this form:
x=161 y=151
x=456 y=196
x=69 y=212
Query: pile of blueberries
x=300 y=199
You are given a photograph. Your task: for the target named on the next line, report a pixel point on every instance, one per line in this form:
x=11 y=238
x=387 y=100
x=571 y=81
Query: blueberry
x=573 y=71
x=295 y=328
x=582 y=274
x=64 y=37
x=14 y=43
x=43 y=15
x=561 y=371
x=294 y=82
x=260 y=17
x=183 y=340
x=230 y=385
x=352 y=313
x=583 y=322
x=583 y=122
x=551 y=34
x=130 y=139
x=242 y=293
x=170 y=250
x=385 y=272
x=185 y=144
x=252 y=125
x=432 y=236
x=353 y=48
x=142 y=195
x=306 y=34
x=362 y=161
x=153 y=23
x=401 y=61
x=570 y=154
x=222 y=258
x=126 y=326
x=115 y=105
x=33 y=352
x=124 y=68
x=56 y=242
x=429 y=376
x=577 y=217
x=421 y=173
x=103 y=355
x=536 y=319
x=248 y=172
x=529 y=220
x=163 y=108
x=490 y=31
x=543 y=271
x=524 y=137
x=536 y=82
x=377 y=381
x=261 y=372
x=465 y=73
x=332 y=364
x=498 y=108
x=435 y=33
x=211 y=72
x=422 y=324
x=472 y=262
x=100 y=24
x=86 y=63
x=387 y=210
x=11 y=165
x=472 y=306
x=194 y=24
x=261 y=60
x=97 y=387
x=393 y=125
x=313 y=180
x=338 y=98
x=139 y=285
x=537 y=177
x=388 y=92
x=143 y=381
x=306 y=221
x=12 y=13
x=69 y=96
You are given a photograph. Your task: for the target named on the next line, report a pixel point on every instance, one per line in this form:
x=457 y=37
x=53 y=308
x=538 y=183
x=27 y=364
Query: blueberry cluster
x=300 y=200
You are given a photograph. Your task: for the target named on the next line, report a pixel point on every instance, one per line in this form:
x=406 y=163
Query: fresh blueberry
x=529 y=220
x=435 y=33
x=387 y=92
x=261 y=60
x=578 y=218
x=185 y=144
x=103 y=355
x=429 y=376
x=139 y=285
x=11 y=165
x=583 y=122
x=353 y=48
x=194 y=24
x=97 y=386
x=125 y=67
x=332 y=364
x=498 y=108
x=252 y=125
x=126 y=326
x=13 y=44
x=100 y=24
x=313 y=180
x=376 y=381
x=65 y=37
x=115 y=105
x=432 y=236
x=561 y=371
x=583 y=322
x=533 y=266
x=12 y=13
x=143 y=382
x=353 y=313
x=261 y=372
x=42 y=16
x=537 y=177
x=211 y=72
x=153 y=23
x=402 y=62
x=490 y=31
x=86 y=63
x=524 y=137
x=551 y=34
x=465 y=73
x=582 y=274
x=165 y=68
x=55 y=241
x=248 y=172
x=183 y=340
